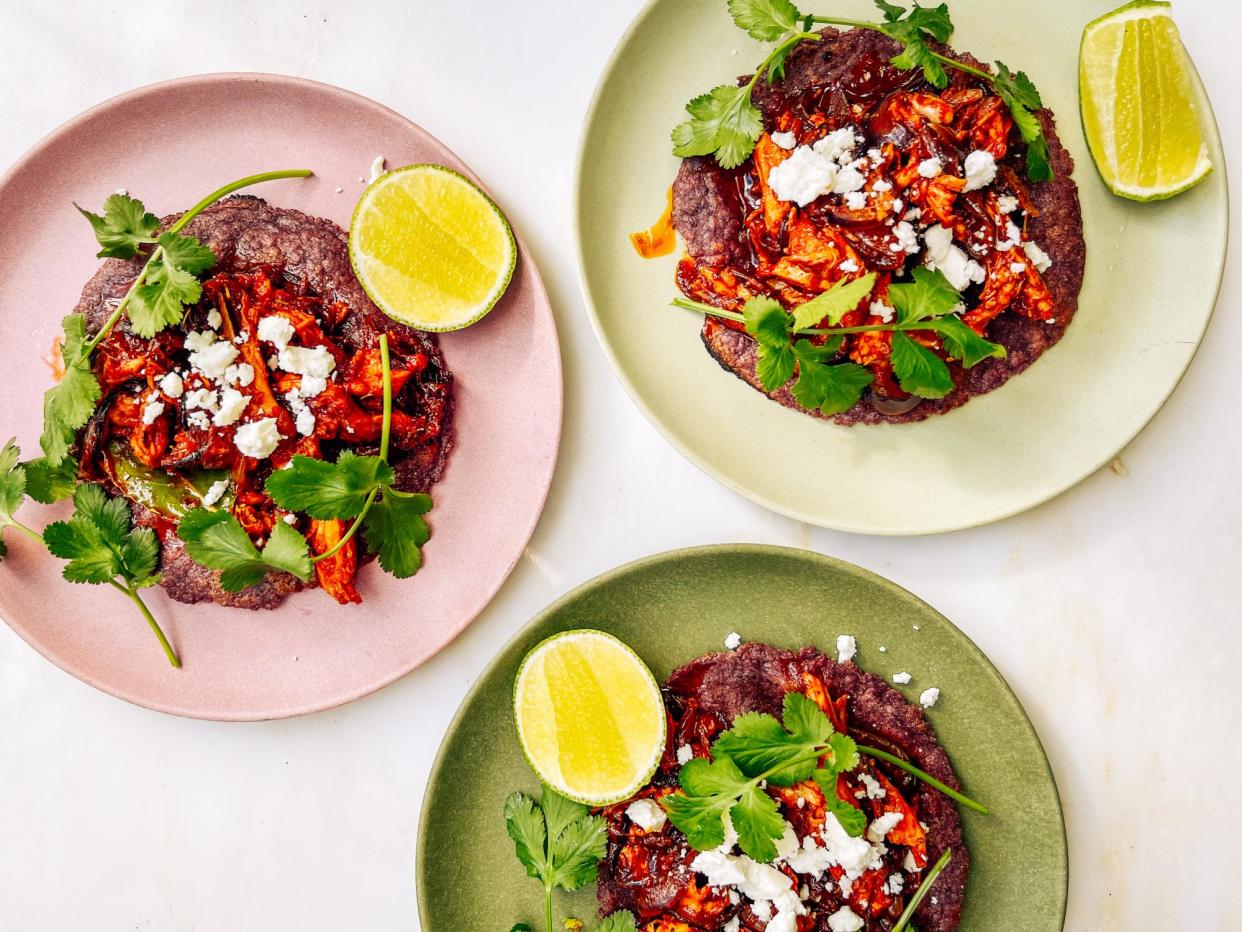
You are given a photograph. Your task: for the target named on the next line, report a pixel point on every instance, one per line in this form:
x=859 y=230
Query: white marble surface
x=1112 y=611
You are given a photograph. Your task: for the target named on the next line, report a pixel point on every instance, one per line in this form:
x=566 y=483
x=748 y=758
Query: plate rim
x=642 y=565
x=580 y=199
x=277 y=80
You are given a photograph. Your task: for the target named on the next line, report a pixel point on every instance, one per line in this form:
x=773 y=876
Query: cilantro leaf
x=69 y=404
x=805 y=720
x=723 y=122
x=217 y=540
x=326 y=490
x=46 y=483
x=765 y=20
x=160 y=301
x=396 y=530
x=186 y=253
x=929 y=296
x=920 y=371
x=964 y=344
x=99 y=543
x=853 y=820
x=621 y=921
x=835 y=303
x=758 y=744
x=830 y=389
x=1023 y=99
x=758 y=823
x=13 y=482
x=912 y=29
x=124 y=227
x=711 y=788
x=768 y=323
x=558 y=842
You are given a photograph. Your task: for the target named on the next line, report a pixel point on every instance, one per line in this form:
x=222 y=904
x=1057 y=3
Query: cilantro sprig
x=156 y=300
x=928 y=303
x=558 y=842
x=217 y=540
x=725 y=123
x=14 y=482
x=757 y=750
x=362 y=488
x=103 y=547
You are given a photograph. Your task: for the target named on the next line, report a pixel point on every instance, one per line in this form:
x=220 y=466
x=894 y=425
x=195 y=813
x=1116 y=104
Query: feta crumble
x=849 y=267
x=152 y=410
x=213 y=360
x=214 y=319
x=803 y=177
x=878 y=830
x=647 y=815
x=885 y=312
x=980 y=167
x=785 y=140
x=276 y=330
x=313 y=361
x=215 y=493
x=197 y=340
x=1038 y=257
x=377 y=168
x=845 y=920
x=847 y=647
x=232 y=406
x=685 y=754
x=1017 y=267
x=931 y=168
x=856 y=200
x=881 y=186
x=733 y=641
x=1007 y=203
x=172 y=385
x=901 y=679
x=907 y=238
x=258 y=439
x=929 y=697
x=944 y=256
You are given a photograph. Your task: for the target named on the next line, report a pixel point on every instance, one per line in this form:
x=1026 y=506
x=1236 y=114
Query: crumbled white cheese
x=215 y=493
x=883 y=649
x=909 y=864
x=258 y=439
x=788 y=843
x=685 y=754
x=853 y=855
x=901 y=678
x=314 y=361
x=312 y=385
x=232 y=406
x=377 y=169
x=980 y=167
x=907 y=238
x=930 y=168
x=894 y=885
x=849 y=267
x=213 y=319
x=848 y=181
x=847 y=647
x=753 y=880
x=898 y=205
x=1017 y=267
x=733 y=641
x=856 y=200
x=945 y=256
x=913 y=214
x=785 y=140
x=240 y=374
x=290 y=519
x=197 y=340
x=172 y=385
x=837 y=146
x=305 y=421
x=803 y=177
x=205 y=398
x=885 y=312
x=929 y=697
x=152 y=410
x=878 y=830
x=198 y=419
x=1007 y=203
x=1038 y=257
x=845 y=920
x=733 y=925
x=881 y=186
x=276 y=330
x=1014 y=238
x=213 y=360
x=647 y=815
x=871 y=786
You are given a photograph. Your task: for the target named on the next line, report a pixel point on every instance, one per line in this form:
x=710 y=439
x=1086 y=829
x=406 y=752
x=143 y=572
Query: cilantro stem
x=146 y=613
x=547 y=904
x=158 y=252
x=904 y=922
x=925 y=777
x=385 y=431
x=33 y=535
x=701 y=308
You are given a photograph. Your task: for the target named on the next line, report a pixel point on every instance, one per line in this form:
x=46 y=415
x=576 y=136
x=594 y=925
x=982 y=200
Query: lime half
x=590 y=716
x=430 y=248
x=1138 y=103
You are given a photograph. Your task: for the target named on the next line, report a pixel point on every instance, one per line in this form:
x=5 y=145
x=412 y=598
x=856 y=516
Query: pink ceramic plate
x=169 y=144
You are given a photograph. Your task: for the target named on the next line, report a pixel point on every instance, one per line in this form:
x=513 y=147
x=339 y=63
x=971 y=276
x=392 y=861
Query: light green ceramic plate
x=1153 y=273
x=678 y=606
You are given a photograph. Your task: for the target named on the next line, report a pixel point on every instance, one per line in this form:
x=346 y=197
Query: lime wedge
x=1138 y=103
x=430 y=248
x=590 y=717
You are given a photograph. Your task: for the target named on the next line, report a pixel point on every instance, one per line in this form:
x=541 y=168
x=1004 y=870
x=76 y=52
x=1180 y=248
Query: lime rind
x=360 y=262
x=657 y=752
x=1102 y=142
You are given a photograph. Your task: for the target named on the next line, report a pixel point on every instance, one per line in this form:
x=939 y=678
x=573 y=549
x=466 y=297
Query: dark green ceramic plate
x=674 y=607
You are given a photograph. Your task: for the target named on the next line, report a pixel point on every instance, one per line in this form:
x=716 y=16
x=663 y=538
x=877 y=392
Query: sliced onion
x=892 y=407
